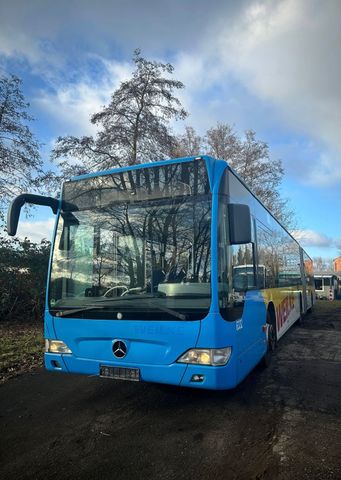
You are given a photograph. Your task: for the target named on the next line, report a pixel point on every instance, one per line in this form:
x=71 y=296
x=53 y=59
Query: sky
x=271 y=66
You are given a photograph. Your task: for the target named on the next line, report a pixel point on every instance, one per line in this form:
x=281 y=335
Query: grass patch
x=21 y=349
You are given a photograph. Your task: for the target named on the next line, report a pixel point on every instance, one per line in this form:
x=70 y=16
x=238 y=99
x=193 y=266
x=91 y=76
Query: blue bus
x=170 y=272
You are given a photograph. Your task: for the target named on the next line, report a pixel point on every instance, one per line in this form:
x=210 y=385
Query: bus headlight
x=206 y=356
x=56 y=346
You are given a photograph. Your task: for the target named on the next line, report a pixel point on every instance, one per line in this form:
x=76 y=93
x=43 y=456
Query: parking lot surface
x=280 y=423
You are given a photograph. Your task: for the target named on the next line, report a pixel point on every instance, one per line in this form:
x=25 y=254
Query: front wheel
x=271 y=343
x=310 y=309
x=300 y=320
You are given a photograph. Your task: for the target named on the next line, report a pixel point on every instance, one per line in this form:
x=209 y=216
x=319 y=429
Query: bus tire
x=310 y=309
x=300 y=320
x=272 y=340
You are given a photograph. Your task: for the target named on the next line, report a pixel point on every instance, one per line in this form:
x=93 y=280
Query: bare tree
x=262 y=174
x=249 y=157
x=19 y=151
x=188 y=144
x=323 y=264
x=222 y=142
x=318 y=263
x=134 y=126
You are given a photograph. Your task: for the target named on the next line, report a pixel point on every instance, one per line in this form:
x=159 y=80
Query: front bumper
x=214 y=378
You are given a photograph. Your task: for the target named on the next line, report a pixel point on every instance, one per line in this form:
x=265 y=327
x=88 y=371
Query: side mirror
x=239 y=223
x=13 y=213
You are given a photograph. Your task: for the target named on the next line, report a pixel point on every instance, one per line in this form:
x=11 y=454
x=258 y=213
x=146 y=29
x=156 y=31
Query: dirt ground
x=280 y=423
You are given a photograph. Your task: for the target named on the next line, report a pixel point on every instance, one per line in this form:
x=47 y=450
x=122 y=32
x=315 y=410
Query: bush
x=23 y=271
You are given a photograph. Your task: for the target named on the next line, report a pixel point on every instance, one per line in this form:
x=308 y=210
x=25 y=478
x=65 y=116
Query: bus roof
x=138 y=166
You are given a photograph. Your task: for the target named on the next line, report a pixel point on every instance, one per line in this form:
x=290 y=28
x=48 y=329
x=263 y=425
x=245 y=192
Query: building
x=337 y=264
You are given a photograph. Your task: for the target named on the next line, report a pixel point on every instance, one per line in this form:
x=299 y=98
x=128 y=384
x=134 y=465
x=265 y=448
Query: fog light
x=56 y=346
x=56 y=364
x=197 y=378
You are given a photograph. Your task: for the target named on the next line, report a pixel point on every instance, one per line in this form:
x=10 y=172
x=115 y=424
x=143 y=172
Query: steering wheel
x=131 y=290
x=111 y=289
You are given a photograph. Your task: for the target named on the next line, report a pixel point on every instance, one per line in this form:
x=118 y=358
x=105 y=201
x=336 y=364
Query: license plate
x=120 y=373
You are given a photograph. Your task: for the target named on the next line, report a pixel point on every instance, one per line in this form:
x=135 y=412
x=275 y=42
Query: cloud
x=71 y=104
x=260 y=64
x=274 y=66
x=36 y=230
x=150 y=24
x=286 y=53
x=311 y=238
x=23 y=46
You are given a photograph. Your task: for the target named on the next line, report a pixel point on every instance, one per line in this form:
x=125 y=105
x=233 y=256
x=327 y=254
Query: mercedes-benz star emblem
x=119 y=348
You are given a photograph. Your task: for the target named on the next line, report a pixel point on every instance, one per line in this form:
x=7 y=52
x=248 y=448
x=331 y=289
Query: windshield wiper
x=127 y=297
x=98 y=306
x=168 y=310
x=192 y=295
x=147 y=300
x=69 y=311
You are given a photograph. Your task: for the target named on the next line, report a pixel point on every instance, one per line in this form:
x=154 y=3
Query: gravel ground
x=280 y=423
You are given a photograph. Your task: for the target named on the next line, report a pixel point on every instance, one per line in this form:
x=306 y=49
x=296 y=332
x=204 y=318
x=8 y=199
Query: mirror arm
x=19 y=201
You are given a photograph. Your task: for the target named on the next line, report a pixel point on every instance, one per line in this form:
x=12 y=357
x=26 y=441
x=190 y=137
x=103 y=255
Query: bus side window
x=261 y=277
x=243 y=267
x=244 y=272
x=267 y=258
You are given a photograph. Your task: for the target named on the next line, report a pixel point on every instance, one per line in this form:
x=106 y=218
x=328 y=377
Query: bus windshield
x=134 y=245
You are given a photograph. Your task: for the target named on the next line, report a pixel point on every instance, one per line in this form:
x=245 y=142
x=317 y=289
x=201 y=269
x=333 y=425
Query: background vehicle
x=145 y=268
x=326 y=285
